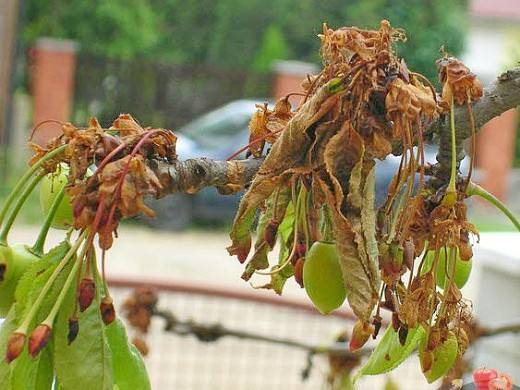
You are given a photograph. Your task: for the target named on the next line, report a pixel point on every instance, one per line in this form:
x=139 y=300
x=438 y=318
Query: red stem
x=37 y=126
x=125 y=171
x=262 y=138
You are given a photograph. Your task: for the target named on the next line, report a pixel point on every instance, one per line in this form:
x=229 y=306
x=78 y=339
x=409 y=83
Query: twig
x=214 y=332
x=508 y=328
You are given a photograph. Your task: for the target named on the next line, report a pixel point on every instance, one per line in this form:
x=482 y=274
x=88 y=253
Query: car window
x=216 y=127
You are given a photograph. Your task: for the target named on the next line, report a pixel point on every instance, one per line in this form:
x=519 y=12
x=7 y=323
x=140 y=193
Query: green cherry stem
x=36 y=305
x=475 y=189
x=303 y=214
x=66 y=286
x=27 y=175
x=19 y=203
x=37 y=248
x=451 y=192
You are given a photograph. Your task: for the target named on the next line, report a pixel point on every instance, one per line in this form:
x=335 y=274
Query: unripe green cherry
x=322 y=277
x=50 y=187
x=17 y=259
x=462 y=267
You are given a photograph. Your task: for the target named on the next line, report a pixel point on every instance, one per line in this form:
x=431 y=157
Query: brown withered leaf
x=342 y=44
x=126 y=126
x=378 y=145
x=410 y=102
x=258 y=129
x=139 y=182
x=266 y=124
x=458 y=82
x=354 y=220
x=358 y=285
x=341 y=154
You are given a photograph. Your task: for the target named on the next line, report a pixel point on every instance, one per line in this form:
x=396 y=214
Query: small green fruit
x=17 y=259
x=50 y=187
x=322 y=277
x=462 y=267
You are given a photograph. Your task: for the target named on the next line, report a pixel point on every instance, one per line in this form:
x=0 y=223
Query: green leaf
x=389 y=353
x=444 y=357
x=276 y=205
x=87 y=362
x=127 y=363
x=25 y=372
x=285 y=231
x=286 y=226
x=34 y=278
x=368 y=221
x=38 y=372
x=32 y=373
x=8 y=326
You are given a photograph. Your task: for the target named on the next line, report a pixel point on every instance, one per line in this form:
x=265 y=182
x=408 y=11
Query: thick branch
x=192 y=175
x=499 y=97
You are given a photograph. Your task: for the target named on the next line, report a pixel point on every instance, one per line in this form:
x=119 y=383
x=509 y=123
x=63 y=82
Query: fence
x=184 y=363
x=160 y=94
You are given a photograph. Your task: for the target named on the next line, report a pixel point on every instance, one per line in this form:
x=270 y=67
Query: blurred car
x=217 y=135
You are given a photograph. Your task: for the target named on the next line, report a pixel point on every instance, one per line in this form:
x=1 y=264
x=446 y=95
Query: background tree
x=232 y=33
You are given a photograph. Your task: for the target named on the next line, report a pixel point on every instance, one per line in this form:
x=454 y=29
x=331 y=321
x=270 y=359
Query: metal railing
x=183 y=362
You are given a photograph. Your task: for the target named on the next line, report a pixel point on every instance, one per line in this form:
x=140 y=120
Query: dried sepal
x=15 y=346
x=86 y=293
x=360 y=335
x=108 y=313
x=73 y=332
x=39 y=338
x=458 y=82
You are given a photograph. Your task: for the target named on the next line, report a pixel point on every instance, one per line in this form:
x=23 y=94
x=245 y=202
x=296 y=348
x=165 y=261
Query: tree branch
x=214 y=332
x=500 y=96
x=508 y=328
x=190 y=176
x=228 y=177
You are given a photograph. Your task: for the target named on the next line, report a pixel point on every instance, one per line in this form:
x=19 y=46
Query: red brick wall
x=52 y=78
x=288 y=76
x=495 y=150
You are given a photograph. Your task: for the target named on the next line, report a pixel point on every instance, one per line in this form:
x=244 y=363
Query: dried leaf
x=346 y=167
